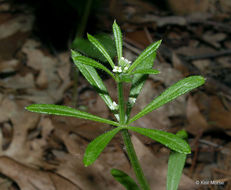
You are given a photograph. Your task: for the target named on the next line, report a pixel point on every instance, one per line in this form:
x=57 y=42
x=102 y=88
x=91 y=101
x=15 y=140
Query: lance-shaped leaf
x=118 y=39
x=97 y=146
x=101 y=48
x=176 y=164
x=148 y=51
x=94 y=79
x=124 y=179
x=93 y=63
x=181 y=87
x=67 y=111
x=85 y=47
x=145 y=71
x=138 y=82
x=168 y=139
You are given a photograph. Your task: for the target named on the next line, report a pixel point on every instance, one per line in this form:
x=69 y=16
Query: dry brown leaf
x=168 y=75
x=9 y=66
x=139 y=38
x=182 y=7
x=191 y=51
x=19 y=82
x=203 y=65
x=219 y=113
x=31 y=179
x=1 y=97
x=51 y=81
x=42 y=79
x=157 y=119
x=5 y=6
x=13 y=32
x=7 y=109
x=214 y=39
x=70 y=164
x=196 y=120
x=178 y=65
x=156 y=169
x=21 y=23
x=30 y=149
x=5 y=184
x=225 y=5
x=161 y=21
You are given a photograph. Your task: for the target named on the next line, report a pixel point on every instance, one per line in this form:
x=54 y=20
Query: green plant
x=136 y=74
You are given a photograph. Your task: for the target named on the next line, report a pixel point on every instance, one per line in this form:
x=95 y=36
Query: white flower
x=124 y=65
x=132 y=100
x=114 y=106
x=120 y=70
x=117 y=69
x=124 y=62
x=125 y=69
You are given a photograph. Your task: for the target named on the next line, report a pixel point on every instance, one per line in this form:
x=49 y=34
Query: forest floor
x=41 y=152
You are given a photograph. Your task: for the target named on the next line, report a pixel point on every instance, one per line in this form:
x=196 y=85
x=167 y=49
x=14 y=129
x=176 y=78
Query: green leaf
x=138 y=82
x=176 y=164
x=124 y=179
x=168 y=139
x=67 y=111
x=93 y=63
x=145 y=71
x=97 y=146
x=93 y=78
x=181 y=87
x=85 y=47
x=101 y=48
x=125 y=78
x=182 y=134
x=147 y=52
x=118 y=39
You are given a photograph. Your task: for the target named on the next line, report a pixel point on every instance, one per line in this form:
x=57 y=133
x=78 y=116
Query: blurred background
x=39 y=152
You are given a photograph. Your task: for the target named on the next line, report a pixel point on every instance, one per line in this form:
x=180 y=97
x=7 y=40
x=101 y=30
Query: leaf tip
x=27 y=108
x=89 y=35
x=113 y=171
x=188 y=151
x=114 y=23
x=74 y=53
x=202 y=79
x=86 y=161
x=159 y=43
x=30 y=107
x=86 y=165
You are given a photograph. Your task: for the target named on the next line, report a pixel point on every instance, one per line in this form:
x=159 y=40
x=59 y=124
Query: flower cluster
x=124 y=64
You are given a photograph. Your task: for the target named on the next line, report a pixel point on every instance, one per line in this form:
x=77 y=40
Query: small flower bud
x=114 y=106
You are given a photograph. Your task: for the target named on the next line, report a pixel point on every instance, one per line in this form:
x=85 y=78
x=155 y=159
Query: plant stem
x=128 y=143
x=121 y=102
x=134 y=160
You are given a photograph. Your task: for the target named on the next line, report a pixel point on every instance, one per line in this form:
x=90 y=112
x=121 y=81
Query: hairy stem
x=127 y=142
x=134 y=160
x=121 y=102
